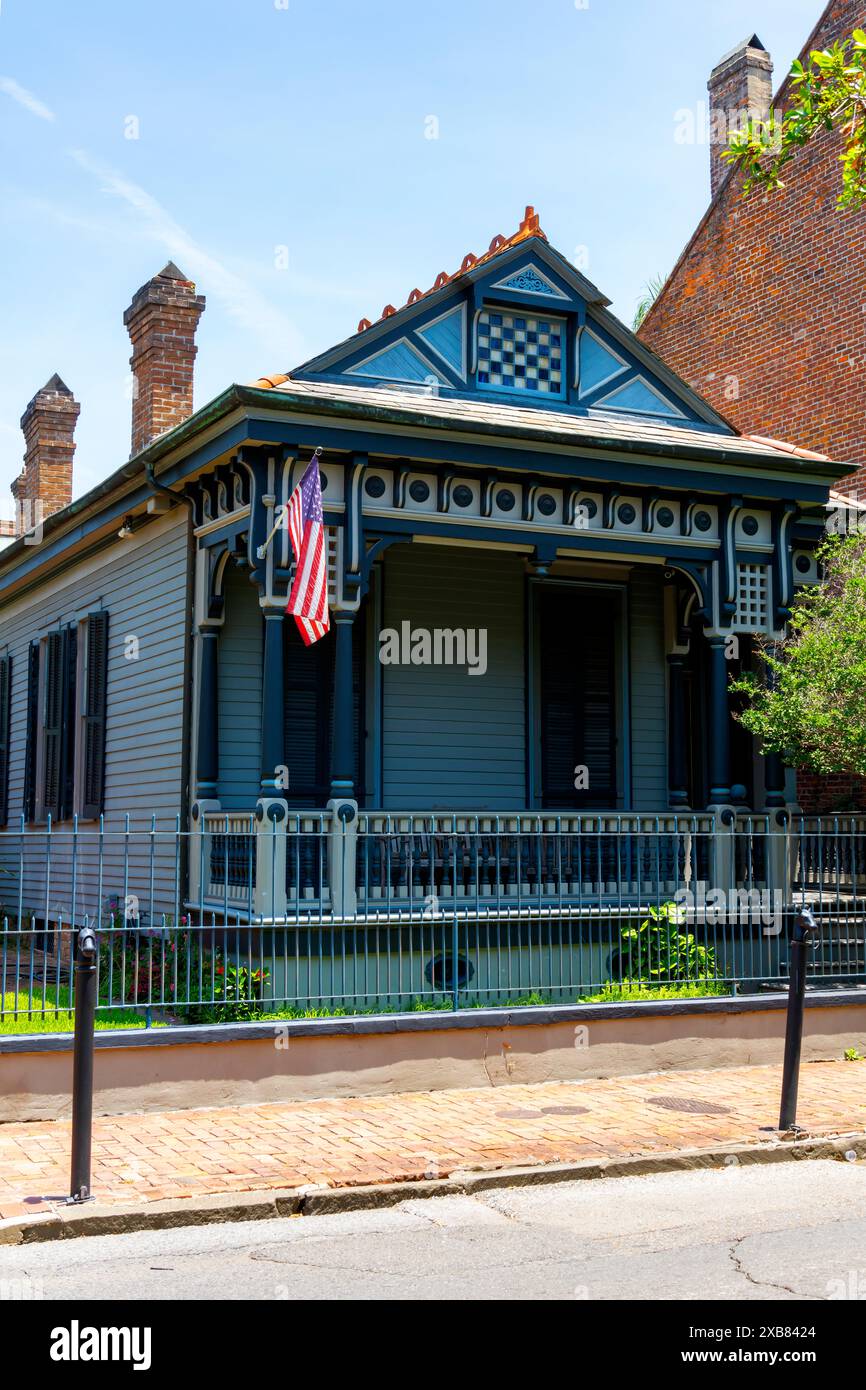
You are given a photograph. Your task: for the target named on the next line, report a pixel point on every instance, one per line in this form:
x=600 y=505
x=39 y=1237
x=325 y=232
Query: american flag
x=308 y=601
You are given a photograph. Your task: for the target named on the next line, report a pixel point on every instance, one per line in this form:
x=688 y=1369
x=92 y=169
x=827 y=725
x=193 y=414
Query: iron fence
x=310 y=914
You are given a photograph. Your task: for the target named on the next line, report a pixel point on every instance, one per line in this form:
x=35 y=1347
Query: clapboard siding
x=648 y=698
x=451 y=740
x=240 y=695
x=142 y=582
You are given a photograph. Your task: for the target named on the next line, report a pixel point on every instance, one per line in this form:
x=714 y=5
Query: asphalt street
x=793 y=1231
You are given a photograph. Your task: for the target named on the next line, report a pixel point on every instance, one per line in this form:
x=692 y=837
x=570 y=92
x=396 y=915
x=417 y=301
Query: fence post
x=342 y=857
x=86 y=984
x=197 y=859
x=271 y=824
x=804 y=924
x=780 y=870
x=724 y=866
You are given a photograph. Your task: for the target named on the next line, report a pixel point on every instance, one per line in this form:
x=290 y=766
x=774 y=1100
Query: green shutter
x=32 y=731
x=308 y=714
x=94 y=716
x=5 y=703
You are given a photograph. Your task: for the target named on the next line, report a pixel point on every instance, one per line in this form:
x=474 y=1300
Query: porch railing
x=398 y=911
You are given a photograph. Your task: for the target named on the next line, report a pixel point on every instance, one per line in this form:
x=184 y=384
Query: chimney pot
x=162 y=321
x=45 y=484
x=740 y=85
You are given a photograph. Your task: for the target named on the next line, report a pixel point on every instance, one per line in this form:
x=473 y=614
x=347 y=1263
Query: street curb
x=95 y=1220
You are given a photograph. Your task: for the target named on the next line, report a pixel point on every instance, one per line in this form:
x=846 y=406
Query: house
x=763 y=312
x=547 y=552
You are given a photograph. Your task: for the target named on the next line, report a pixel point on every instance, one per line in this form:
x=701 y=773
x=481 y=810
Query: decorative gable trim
x=429 y=339
x=667 y=407
x=587 y=332
x=529 y=280
x=391 y=368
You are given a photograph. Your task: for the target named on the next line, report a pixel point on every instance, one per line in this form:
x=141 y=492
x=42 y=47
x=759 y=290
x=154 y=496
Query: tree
x=829 y=94
x=808 y=700
x=651 y=291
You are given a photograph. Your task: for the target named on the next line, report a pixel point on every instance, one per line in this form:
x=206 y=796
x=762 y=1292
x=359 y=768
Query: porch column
x=207 y=746
x=273 y=751
x=718 y=733
x=677 y=771
x=342 y=760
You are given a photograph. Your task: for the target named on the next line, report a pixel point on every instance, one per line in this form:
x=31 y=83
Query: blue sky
x=304 y=124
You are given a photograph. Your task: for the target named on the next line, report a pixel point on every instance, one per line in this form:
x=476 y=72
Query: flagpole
x=281 y=516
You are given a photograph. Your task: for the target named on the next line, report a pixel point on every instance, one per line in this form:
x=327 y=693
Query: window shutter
x=32 y=729
x=94 y=715
x=577 y=698
x=68 y=722
x=52 y=725
x=5 y=703
x=308 y=714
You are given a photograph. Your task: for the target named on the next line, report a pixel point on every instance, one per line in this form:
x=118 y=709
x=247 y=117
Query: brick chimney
x=162 y=320
x=45 y=485
x=741 y=85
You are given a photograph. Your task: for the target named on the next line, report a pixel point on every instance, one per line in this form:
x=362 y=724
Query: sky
x=307 y=162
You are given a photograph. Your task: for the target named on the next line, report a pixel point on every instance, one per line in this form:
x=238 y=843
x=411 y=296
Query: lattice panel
x=753 y=598
x=520 y=353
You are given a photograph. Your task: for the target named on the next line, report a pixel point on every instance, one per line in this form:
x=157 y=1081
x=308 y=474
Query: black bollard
x=86 y=984
x=803 y=927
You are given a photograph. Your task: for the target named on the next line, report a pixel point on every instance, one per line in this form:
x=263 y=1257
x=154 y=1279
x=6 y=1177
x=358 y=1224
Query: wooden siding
x=451 y=740
x=142 y=582
x=240 y=695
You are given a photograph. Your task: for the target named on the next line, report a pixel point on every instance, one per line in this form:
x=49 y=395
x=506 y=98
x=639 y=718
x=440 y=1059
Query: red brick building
x=764 y=312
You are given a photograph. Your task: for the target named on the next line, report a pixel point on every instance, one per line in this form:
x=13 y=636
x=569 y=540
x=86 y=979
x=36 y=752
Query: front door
x=578 y=629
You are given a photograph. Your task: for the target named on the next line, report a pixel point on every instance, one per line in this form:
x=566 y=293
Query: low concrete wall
x=244 y=1064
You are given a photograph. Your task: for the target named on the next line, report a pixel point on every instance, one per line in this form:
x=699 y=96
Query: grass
x=58 y=1017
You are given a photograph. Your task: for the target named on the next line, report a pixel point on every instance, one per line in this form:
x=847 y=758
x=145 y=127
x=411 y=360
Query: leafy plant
x=658 y=950
x=650 y=293
x=852 y=1055
x=829 y=95
x=808 y=701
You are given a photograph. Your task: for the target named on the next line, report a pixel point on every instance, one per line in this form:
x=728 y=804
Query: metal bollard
x=86 y=984
x=804 y=925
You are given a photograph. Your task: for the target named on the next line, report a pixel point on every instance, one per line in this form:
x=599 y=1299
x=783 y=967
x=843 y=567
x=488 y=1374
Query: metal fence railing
x=310 y=913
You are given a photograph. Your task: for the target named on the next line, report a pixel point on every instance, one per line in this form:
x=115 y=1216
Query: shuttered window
x=5 y=703
x=577 y=651
x=32 y=732
x=93 y=738
x=308 y=715
x=58 y=724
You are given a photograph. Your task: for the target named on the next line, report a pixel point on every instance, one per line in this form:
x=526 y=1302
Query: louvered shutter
x=309 y=718
x=32 y=731
x=68 y=722
x=577 y=656
x=93 y=771
x=5 y=702
x=52 y=725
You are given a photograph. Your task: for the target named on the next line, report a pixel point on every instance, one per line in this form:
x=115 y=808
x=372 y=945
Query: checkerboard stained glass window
x=519 y=353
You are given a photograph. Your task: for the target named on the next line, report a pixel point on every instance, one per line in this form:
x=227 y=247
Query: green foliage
x=808 y=701
x=650 y=293
x=853 y=1055
x=829 y=94
x=48 y=1009
x=636 y=991
x=658 y=950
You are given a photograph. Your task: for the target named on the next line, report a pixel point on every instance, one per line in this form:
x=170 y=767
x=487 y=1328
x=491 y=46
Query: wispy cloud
x=26 y=99
x=241 y=300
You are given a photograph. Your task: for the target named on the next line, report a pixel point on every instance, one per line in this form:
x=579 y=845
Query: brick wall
x=824 y=795
x=765 y=313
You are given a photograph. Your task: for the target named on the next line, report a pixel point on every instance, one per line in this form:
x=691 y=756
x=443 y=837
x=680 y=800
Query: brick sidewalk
x=396 y=1138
